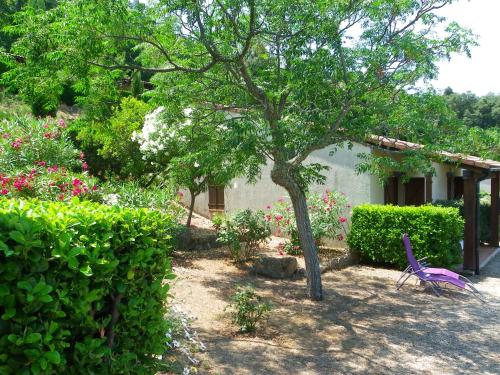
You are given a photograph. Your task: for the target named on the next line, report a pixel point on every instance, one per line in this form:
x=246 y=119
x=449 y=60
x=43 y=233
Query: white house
x=459 y=176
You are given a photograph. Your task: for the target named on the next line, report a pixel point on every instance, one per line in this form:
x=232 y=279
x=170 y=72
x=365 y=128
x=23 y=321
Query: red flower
x=4 y=191
x=54 y=168
x=342 y=219
x=60 y=197
x=94 y=188
x=76 y=191
x=48 y=135
x=340 y=237
x=267 y=218
x=42 y=163
x=17 y=143
x=278 y=217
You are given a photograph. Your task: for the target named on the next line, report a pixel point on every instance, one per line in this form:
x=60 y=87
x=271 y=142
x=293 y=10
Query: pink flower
x=62 y=124
x=94 y=188
x=342 y=219
x=54 y=168
x=48 y=135
x=82 y=155
x=340 y=237
x=4 y=191
x=278 y=217
x=280 y=252
x=60 y=197
x=46 y=126
x=267 y=218
x=268 y=207
x=42 y=163
x=76 y=182
x=85 y=166
x=17 y=143
x=180 y=194
x=281 y=200
x=6 y=136
x=76 y=191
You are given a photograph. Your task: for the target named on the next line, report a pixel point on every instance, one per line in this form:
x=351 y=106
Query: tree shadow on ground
x=363 y=326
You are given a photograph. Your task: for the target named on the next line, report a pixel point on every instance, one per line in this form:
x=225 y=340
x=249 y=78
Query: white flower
x=196 y=164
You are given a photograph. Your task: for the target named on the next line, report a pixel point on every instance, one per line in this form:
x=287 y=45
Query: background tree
x=305 y=75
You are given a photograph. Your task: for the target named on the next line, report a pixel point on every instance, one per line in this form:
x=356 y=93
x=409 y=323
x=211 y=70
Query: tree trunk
x=191 y=208
x=281 y=175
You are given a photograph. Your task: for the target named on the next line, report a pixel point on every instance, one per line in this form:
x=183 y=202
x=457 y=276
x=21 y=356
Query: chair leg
x=400 y=284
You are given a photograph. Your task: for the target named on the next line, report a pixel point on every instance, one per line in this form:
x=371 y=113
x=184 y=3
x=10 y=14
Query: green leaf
x=32 y=338
x=24 y=285
x=18 y=237
x=9 y=313
x=86 y=270
x=53 y=357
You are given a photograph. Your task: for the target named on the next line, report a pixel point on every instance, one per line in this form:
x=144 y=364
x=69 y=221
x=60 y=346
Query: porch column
x=428 y=188
x=495 y=210
x=471 y=220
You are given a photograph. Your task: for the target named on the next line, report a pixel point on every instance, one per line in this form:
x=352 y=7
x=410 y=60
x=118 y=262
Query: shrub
x=82 y=287
x=25 y=142
x=132 y=195
x=248 y=309
x=484 y=214
x=435 y=232
x=327 y=213
x=243 y=233
x=37 y=159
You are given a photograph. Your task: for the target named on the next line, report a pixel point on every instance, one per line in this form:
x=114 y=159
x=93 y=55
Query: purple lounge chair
x=433 y=276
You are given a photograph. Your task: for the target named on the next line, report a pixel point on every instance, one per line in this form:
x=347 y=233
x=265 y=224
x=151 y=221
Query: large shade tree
x=303 y=75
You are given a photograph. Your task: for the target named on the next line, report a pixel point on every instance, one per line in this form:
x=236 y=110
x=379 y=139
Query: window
x=216 y=197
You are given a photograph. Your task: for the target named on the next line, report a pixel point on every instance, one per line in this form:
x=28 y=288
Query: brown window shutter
x=216 y=197
x=415 y=192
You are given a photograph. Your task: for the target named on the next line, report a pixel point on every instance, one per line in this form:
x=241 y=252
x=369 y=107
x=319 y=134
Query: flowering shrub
x=243 y=233
x=327 y=213
x=26 y=142
x=38 y=160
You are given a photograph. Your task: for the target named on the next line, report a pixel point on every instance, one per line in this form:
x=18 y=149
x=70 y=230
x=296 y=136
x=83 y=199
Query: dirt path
x=363 y=326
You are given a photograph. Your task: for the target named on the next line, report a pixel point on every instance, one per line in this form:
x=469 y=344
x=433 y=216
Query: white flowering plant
x=193 y=149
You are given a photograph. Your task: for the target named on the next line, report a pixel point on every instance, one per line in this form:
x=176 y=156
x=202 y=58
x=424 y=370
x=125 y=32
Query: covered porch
x=465 y=184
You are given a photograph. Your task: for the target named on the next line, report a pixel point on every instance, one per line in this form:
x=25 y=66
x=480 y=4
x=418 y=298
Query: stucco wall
x=341 y=177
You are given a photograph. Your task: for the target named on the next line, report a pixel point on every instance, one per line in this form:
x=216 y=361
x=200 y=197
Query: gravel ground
x=364 y=326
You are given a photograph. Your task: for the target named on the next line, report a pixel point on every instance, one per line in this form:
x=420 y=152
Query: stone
x=276 y=267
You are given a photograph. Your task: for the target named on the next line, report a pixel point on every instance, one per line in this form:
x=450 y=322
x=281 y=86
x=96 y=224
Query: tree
x=304 y=75
x=194 y=151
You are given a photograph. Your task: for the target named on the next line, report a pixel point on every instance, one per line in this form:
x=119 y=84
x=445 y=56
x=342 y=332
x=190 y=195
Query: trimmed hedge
x=435 y=232
x=81 y=288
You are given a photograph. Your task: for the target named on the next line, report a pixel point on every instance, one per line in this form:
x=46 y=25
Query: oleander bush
x=435 y=232
x=82 y=287
x=327 y=212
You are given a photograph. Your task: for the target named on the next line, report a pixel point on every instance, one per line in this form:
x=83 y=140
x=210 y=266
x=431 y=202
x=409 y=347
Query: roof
x=467 y=161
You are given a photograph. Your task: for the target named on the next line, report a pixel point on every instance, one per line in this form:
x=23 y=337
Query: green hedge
x=81 y=288
x=435 y=232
